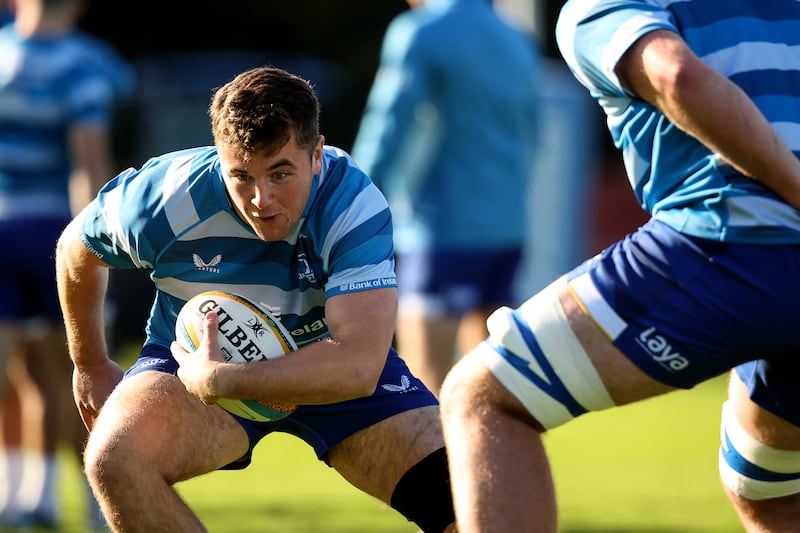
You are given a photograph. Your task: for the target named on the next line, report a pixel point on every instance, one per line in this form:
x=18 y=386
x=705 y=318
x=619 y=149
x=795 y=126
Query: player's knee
x=104 y=466
x=461 y=388
x=751 y=469
x=423 y=494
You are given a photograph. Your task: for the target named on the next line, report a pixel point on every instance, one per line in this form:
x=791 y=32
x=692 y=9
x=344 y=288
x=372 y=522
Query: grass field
x=646 y=468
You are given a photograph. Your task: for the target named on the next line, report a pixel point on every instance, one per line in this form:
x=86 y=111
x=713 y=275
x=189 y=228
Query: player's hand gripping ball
x=247 y=333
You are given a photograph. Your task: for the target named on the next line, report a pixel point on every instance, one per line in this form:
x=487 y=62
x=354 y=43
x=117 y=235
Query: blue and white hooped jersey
x=756 y=44
x=172 y=217
x=47 y=86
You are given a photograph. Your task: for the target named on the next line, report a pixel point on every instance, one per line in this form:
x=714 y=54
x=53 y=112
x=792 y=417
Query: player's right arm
x=661 y=69
x=82 y=283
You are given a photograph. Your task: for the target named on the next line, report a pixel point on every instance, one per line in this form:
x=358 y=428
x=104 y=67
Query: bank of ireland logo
x=210 y=266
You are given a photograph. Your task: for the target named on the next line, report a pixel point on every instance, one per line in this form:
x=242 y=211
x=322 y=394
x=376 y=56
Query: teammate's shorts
x=444 y=282
x=321 y=426
x=685 y=309
x=27 y=268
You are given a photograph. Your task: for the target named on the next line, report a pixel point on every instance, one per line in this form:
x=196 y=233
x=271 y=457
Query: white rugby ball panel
x=247 y=333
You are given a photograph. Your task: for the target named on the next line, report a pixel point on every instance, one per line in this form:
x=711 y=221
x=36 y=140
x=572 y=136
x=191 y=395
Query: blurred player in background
x=703 y=99
x=273 y=214
x=59 y=89
x=448 y=135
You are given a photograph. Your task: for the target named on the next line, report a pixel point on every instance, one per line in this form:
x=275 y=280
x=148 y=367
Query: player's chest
x=288 y=266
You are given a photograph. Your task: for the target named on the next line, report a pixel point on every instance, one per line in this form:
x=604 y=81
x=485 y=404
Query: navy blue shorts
x=689 y=309
x=321 y=426
x=27 y=268
x=452 y=282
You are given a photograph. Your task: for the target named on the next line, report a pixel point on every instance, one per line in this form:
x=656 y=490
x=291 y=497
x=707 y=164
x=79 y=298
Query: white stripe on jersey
x=111 y=215
x=179 y=206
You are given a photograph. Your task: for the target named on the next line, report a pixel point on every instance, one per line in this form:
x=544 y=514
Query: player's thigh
x=623 y=380
x=762 y=425
x=153 y=422
x=375 y=458
x=556 y=361
x=8 y=336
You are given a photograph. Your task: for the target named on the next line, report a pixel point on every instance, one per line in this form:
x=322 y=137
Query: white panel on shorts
x=589 y=297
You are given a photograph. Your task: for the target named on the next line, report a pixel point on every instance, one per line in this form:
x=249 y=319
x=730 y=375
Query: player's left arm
x=661 y=69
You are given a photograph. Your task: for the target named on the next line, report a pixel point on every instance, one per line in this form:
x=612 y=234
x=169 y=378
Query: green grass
x=645 y=468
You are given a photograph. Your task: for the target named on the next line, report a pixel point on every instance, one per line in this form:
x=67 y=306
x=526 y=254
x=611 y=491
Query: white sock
x=11 y=470
x=38 y=488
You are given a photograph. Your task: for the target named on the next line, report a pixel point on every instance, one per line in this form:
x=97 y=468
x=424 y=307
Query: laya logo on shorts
x=661 y=351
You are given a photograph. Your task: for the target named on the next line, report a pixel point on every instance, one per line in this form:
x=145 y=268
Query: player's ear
x=316 y=156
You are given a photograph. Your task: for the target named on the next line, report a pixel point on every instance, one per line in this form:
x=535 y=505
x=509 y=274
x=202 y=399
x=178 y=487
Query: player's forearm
x=82 y=284
x=321 y=373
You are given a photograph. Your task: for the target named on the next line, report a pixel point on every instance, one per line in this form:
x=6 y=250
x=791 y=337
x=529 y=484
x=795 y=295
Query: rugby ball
x=247 y=333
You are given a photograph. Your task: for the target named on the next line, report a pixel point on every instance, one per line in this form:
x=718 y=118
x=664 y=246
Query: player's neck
x=43 y=24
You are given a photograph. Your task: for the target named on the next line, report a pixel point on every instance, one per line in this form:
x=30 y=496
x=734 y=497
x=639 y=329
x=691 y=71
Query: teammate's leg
x=472 y=329
x=427 y=344
x=490 y=485
x=755 y=440
x=150 y=434
x=492 y=440
x=10 y=430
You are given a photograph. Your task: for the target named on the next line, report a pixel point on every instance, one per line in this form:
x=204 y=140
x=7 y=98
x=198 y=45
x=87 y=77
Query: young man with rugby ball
x=272 y=213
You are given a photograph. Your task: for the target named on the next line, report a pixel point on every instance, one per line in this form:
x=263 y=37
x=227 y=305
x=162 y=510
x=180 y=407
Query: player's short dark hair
x=261 y=108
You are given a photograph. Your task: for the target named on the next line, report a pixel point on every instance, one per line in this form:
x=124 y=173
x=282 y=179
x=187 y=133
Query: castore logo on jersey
x=210 y=266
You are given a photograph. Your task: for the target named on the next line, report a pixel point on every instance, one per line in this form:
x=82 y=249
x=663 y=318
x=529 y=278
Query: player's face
x=270 y=191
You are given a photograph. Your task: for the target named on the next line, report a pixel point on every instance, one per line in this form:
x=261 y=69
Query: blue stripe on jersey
x=172 y=217
x=674 y=177
x=706 y=12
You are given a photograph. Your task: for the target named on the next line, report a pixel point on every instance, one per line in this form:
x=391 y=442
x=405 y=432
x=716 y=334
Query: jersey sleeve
x=592 y=36
x=117 y=223
x=357 y=246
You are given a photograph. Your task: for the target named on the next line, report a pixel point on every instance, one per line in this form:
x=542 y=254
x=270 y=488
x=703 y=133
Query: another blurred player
x=58 y=92
x=448 y=135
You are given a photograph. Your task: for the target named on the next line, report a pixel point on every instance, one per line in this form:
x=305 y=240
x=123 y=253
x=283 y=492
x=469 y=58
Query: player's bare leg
x=374 y=459
x=495 y=490
x=428 y=347
x=773 y=515
x=472 y=330
x=150 y=434
x=10 y=428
